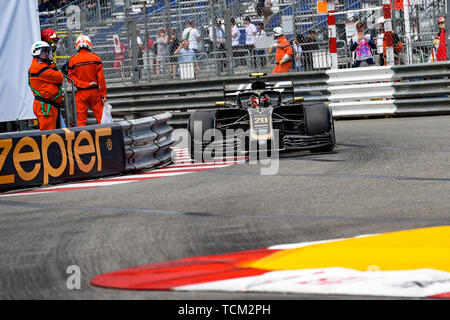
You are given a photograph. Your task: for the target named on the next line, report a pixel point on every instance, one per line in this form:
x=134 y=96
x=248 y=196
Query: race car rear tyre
x=199 y=122
x=319 y=120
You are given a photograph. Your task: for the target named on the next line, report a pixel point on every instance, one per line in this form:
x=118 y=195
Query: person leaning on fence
x=85 y=69
x=284 y=52
x=362 y=44
x=191 y=33
x=46 y=84
x=186 y=55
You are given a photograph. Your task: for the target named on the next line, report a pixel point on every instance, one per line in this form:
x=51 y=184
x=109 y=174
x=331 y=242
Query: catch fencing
x=125 y=32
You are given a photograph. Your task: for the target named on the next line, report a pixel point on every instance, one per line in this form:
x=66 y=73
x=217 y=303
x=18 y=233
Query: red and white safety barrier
x=388 y=32
x=332 y=34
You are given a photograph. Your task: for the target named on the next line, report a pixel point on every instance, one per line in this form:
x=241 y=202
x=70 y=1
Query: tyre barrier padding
x=165 y=154
x=141 y=157
x=39 y=158
x=148 y=142
x=139 y=132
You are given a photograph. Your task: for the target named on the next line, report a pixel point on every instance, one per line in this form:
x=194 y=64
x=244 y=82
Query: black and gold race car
x=261 y=115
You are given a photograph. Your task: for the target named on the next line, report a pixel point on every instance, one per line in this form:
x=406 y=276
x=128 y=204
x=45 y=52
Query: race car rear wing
x=286 y=88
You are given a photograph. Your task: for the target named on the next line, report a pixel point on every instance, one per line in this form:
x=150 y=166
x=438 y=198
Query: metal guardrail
x=414 y=89
x=350 y=92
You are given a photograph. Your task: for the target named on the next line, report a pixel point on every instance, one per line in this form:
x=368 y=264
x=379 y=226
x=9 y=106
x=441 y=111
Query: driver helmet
x=254 y=101
x=441 y=20
x=41 y=50
x=265 y=101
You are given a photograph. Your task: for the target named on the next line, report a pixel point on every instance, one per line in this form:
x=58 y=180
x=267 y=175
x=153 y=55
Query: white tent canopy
x=19 y=29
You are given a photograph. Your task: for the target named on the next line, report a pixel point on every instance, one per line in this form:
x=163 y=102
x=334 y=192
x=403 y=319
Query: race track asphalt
x=386 y=174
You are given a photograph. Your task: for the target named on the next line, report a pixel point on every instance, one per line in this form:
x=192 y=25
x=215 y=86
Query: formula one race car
x=265 y=113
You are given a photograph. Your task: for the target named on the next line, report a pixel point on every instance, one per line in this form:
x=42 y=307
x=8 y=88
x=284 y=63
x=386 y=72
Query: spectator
x=362 y=44
x=162 y=50
x=90 y=7
x=174 y=43
x=152 y=51
x=46 y=5
x=119 y=57
x=186 y=57
x=63 y=3
x=250 y=38
x=220 y=35
x=235 y=35
x=56 y=4
x=191 y=33
x=381 y=44
x=264 y=9
x=297 y=65
x=220 y=43
x=260 y=33
x=440 y=41
x=310 y=46
x=441 y=26
x=86 y=71
x=140 y=50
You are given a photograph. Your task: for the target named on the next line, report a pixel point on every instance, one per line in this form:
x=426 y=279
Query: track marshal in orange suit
x=46 y=84
x=86 y=71
x=284 y=52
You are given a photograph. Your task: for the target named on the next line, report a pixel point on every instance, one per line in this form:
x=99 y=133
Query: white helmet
x=83 y=42
x=39 y=48
x=380 y=20
x=278 y=31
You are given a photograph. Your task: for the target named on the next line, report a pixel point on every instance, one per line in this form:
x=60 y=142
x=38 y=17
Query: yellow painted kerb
x=403 y=250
